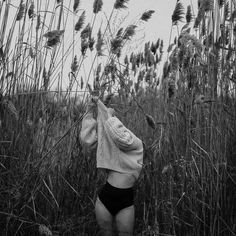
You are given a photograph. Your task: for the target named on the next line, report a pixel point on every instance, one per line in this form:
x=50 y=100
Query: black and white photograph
x=117 y=117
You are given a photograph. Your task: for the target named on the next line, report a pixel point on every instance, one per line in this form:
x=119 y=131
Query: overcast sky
x=159 y=26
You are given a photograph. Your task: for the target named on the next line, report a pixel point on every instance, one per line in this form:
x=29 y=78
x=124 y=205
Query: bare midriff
x=120 y=180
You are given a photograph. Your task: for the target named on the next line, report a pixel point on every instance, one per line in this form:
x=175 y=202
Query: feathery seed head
x=86 y=32
x=151 y=121
x=119 y=4
x=129 y=32
x=76 y=5
x=80 y=22
x=199 y=18
x=116 y=45
x=97 y=6
x=119 y=32
x=53 y=34
x=99 y=43
x=74 y=65
x=189 y=16
x=178 y=13
x=53 y=37
x=147 y=15
x=21 y=11
x=84 y=46
x=91 y=43
x=31 y=10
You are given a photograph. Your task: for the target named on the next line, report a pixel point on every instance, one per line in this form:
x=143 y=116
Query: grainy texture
x=185 y=118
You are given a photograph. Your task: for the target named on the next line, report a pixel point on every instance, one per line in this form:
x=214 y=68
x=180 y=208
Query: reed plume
x=91 y=43
x=86 y=32
x=116 y=45
x=80 y=22
x=120 y=4
x=31 y=10
x=97 y=6
x=21 y=11
x=189 y=16
x=76 y=5
x=84 y=46
x=150 y=121
x=99 y=43
x=119 y=33
x=53 y=34
x=178 y=13
x=74 y=65
x=53 y=37
x=147 y=15
x=129 y=32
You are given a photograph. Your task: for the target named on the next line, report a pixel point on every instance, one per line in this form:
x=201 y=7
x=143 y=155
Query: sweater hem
x=135 y=173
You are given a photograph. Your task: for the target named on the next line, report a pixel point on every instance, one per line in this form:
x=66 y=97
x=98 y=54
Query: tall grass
x=49 y=185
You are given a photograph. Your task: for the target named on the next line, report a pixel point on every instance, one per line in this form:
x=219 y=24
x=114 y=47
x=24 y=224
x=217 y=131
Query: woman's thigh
x=125 y=221
x=104 y=218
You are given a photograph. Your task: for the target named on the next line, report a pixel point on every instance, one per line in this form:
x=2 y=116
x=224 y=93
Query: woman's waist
x=120 y=180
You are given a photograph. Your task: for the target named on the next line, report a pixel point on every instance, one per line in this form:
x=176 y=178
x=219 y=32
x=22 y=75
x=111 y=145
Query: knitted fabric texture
x=118 y=148
x=88 y=134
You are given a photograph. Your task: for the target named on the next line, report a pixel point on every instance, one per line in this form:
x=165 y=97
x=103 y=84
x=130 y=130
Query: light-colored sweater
x=118 y=148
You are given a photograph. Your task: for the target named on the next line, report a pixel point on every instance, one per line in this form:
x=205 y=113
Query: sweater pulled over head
x=118 y=148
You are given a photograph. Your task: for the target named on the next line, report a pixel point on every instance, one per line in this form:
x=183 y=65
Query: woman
x=121 y=153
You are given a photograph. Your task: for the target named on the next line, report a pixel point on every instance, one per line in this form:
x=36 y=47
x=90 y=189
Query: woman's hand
x=92 y=103
x=94 y=99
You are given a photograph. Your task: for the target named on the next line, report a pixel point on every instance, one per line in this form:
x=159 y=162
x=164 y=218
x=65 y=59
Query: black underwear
x=116 y=199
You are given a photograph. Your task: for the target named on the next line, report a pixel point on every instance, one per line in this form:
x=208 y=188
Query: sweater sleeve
x=122 y=137
x=88 y=133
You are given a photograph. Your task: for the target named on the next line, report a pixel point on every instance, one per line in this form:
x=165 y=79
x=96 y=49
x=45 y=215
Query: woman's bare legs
x=104 y=218
x=125 y=221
